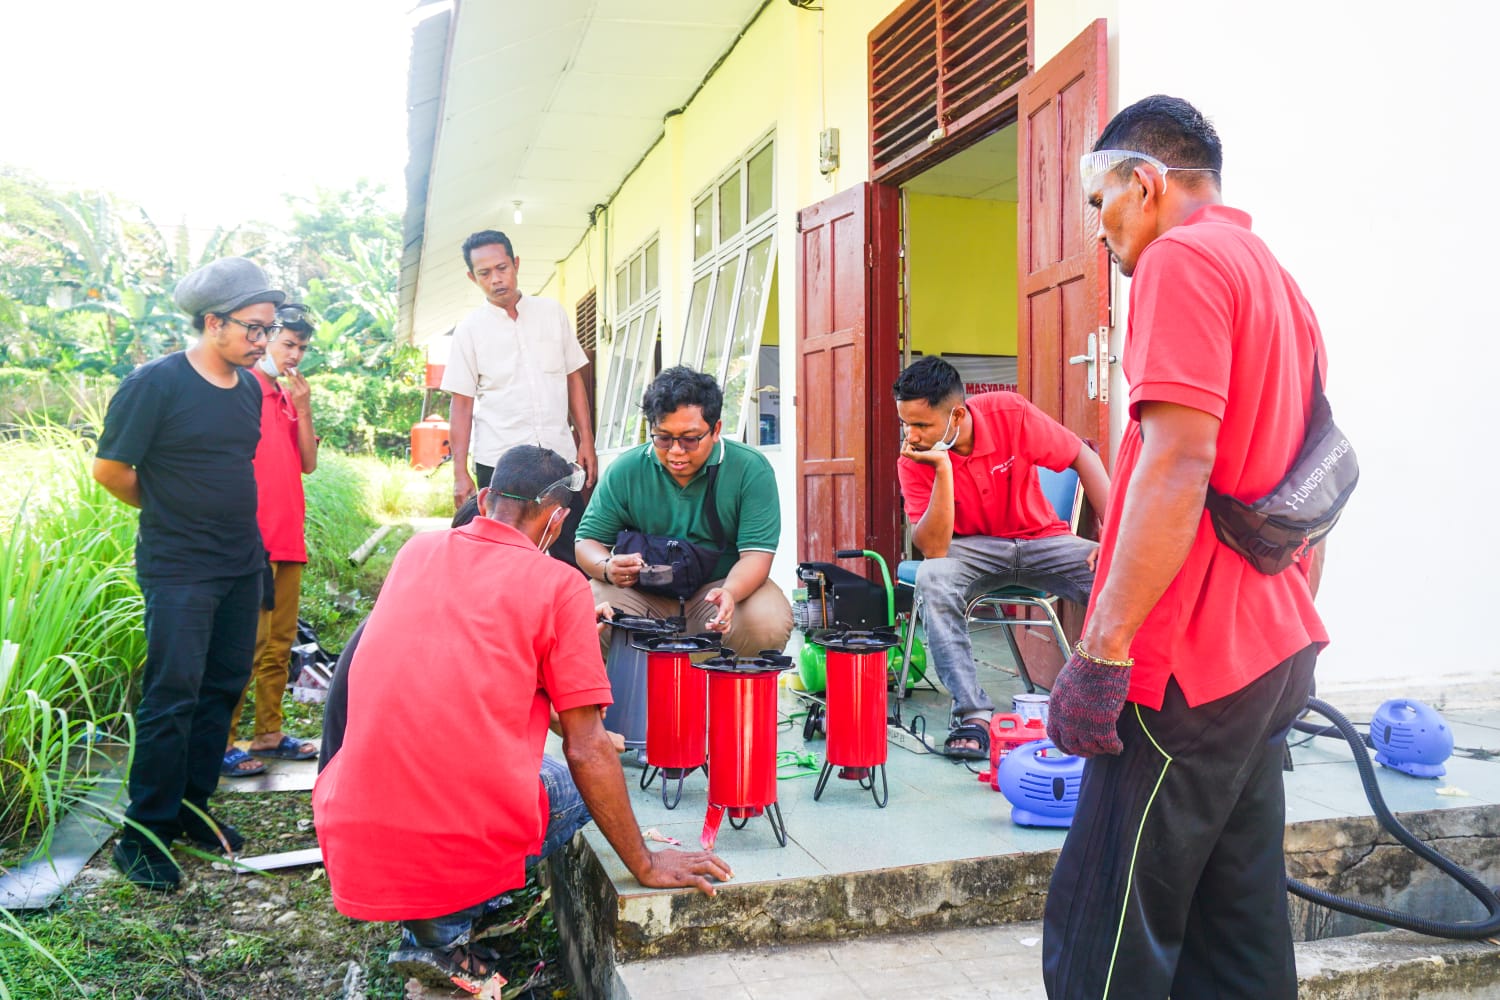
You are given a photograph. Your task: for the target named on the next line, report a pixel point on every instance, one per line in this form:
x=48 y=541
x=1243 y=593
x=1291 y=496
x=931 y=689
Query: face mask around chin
x=945 y=444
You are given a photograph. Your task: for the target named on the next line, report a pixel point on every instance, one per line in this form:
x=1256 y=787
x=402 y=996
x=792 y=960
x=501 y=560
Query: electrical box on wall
x=828 y=151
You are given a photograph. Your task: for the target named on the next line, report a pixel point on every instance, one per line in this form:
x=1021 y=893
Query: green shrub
x=32 y=396
x=71 y=630
x=365 y=413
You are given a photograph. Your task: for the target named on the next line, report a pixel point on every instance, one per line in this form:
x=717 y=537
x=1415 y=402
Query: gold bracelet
x=1084 y=654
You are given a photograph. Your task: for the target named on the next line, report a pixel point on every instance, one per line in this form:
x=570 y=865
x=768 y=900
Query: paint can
x=1030 y=706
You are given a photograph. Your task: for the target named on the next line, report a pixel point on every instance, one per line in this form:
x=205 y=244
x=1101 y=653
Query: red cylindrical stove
x=676 y=709
x=625 y=664
x=857 y=664
x=742 y=742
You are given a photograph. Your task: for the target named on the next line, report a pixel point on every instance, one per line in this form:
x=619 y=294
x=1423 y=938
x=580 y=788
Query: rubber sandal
x=464 y=966
x=233 y=758
x=978 y=731
x=290 y=748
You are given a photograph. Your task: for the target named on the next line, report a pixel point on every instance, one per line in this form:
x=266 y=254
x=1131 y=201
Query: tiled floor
x=939 y=811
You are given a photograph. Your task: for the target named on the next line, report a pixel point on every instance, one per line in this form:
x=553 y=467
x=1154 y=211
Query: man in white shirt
x=515 y=374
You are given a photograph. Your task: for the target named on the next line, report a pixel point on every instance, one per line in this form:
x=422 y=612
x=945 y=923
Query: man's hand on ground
x=672 y=869
x=722 y=618
x=1084 y=710
x=463 y=486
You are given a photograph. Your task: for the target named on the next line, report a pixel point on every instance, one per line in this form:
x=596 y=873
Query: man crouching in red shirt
x=470 y=671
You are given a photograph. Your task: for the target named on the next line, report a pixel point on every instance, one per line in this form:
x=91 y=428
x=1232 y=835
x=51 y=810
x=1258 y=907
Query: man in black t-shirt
x=178 y=441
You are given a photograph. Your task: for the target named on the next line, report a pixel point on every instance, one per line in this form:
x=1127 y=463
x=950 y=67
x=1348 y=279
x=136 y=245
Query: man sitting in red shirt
x=477 y=667
x=980 y=518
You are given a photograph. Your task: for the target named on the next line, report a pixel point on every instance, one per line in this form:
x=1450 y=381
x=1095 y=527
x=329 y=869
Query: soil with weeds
x=234 y=935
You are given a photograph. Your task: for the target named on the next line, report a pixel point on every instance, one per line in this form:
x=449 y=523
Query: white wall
x=1357 y=136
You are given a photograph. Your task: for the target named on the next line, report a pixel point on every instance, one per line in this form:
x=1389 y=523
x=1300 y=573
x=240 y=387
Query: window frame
x=632 y=350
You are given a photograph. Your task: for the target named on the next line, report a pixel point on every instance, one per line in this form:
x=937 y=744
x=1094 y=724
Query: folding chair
x=1061 y=490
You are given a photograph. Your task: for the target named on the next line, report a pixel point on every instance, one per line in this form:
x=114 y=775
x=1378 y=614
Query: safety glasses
x=293 y=312
x=1093 y=165
x=573 y=482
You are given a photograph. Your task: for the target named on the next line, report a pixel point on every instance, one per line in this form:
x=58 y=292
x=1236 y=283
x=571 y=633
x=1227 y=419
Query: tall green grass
x=71 y=631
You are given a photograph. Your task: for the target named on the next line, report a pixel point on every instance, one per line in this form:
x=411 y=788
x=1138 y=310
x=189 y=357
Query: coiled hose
x=1462 y=931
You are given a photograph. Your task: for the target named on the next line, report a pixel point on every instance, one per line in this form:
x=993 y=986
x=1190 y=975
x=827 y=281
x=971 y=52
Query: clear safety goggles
x=1093 y=165
x=573 y=482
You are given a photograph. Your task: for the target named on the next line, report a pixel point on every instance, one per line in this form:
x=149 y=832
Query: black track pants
x=1172 y=880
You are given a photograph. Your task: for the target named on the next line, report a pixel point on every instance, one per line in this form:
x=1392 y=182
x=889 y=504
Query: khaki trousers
x=274 y=635
x=761 y=621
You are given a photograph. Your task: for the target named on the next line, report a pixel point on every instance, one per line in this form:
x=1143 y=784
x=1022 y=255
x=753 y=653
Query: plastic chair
x=1061 y=490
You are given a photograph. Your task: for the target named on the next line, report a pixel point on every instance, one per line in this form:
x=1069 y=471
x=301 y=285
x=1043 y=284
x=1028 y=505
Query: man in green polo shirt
x=659 y=489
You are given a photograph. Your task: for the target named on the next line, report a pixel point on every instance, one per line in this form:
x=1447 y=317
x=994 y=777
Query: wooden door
x=847 y=359
x=1064 y=269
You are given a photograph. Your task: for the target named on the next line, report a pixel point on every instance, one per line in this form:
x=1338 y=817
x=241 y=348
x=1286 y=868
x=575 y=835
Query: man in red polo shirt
x=288 y=450
x=978 y=515
x=1192 y=665
x=426 y=812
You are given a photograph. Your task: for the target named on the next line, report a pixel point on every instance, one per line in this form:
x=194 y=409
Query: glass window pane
x=729 y=207
x=637 y=269
x=767 y=405
x=692 y=335
x=607 y=406
x=623 y=402
x=645 y=371
x=746 y=335
x=652 y=278
x=703 y=227
x=758 y=195
x=622 y=291
x=717 y=333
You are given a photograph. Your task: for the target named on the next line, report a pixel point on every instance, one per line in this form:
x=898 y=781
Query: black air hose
x=1463 y=931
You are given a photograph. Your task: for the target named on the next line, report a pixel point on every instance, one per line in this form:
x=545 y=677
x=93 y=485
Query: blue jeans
x=200 y=640
x=977 y=564
x=566 y=815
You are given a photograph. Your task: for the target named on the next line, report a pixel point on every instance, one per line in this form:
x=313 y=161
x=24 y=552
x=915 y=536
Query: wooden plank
x=37 y=882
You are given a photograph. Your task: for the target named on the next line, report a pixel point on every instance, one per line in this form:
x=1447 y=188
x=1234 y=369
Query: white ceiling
x=986 y=170
x=550 y=103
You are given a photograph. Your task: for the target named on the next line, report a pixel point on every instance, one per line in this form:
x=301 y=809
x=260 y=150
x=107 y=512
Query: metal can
x=1030 y=706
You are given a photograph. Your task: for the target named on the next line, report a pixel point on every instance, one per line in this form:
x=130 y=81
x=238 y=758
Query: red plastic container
x=857 y=663
x=742 y=742
x=1008 y=731
x=676 y=709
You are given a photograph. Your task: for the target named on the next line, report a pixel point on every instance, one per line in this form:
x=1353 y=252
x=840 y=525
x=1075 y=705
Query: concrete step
x=1004 y=963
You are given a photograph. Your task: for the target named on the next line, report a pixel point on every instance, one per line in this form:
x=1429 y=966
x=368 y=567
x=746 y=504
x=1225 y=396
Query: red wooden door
x=847 y=359
x=1064 y=269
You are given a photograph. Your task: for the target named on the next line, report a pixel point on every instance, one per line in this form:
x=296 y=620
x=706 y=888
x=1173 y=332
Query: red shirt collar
x=268 y=385
x=1219 y=213
x=984 y=437
x=489 y=530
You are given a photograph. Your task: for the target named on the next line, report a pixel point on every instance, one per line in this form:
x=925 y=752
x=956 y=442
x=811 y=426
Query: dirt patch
x=228 y=935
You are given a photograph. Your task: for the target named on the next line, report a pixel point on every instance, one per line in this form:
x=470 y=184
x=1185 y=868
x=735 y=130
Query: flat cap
x=223 y=286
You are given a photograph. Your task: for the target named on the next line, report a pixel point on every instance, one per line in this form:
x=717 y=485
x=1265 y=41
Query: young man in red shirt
x=288 y=450
x=978 y=515
x=473 y=671
x=1192 y=665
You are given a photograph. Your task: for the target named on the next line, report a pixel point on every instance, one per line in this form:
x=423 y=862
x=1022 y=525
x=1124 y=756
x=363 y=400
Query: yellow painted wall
x=962 y=261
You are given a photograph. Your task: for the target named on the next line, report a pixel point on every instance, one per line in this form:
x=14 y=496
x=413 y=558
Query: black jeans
x=563 y=547
x=1172 y=881
x=200 y=641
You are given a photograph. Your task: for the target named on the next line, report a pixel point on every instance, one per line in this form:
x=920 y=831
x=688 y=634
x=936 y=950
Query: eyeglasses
x=689 y=442
x=573 y=482
x=1100 y=161
x=255 y=331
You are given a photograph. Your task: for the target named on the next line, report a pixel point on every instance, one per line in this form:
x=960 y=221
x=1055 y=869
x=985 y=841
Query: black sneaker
x=199 y=831
x=464 y=966
x=145 y=865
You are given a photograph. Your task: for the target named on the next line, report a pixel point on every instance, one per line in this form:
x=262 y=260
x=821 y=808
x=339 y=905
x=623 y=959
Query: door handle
x=1081 y=359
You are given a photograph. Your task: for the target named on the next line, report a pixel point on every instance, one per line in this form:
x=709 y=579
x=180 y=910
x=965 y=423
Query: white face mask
x=543 y=544
x=945 y=444
x=267 y=364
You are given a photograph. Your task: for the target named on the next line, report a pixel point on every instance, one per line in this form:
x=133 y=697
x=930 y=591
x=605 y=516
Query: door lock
x=1097 y=341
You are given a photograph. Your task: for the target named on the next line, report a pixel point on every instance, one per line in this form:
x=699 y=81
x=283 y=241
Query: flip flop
x=289 y=748
x=233 y=758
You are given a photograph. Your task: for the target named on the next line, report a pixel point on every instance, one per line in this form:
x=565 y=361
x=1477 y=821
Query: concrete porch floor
x=939 y=811
x=926 y=872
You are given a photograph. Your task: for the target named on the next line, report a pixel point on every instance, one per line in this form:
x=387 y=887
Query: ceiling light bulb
x=516 y=215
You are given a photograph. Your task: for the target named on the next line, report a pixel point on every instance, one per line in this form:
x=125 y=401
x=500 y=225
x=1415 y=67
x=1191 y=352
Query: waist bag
x=691 y=565
x=1275 y=531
